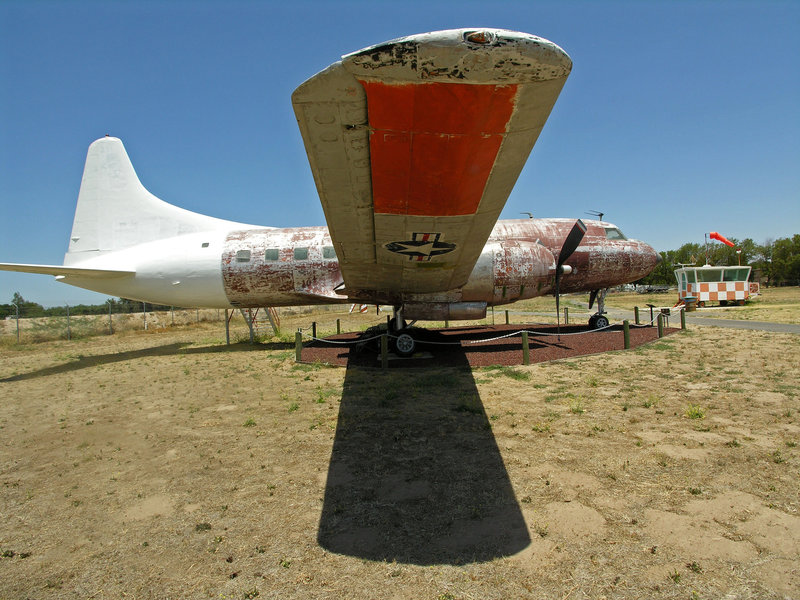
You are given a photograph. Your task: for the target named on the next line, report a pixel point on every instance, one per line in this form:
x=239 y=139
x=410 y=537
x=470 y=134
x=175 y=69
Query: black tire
x=600 y=322
x=404 y=344
x=593 y=322
x=393 y=325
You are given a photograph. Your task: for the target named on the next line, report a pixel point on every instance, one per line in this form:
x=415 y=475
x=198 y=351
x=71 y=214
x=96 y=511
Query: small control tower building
x=725 y=285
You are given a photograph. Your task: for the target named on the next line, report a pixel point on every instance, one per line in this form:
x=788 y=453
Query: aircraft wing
x=60 y=271
x=415 y=145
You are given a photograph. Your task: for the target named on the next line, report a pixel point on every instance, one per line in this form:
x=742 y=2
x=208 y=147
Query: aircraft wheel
x=600 y=322
x=405 y=344
x=593 y=322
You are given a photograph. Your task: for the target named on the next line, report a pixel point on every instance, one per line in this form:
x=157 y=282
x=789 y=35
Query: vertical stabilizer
x=115 y=211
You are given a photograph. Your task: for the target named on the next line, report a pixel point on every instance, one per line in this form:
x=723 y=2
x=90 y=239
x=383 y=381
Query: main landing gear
x=403 y=343
x=598 y=320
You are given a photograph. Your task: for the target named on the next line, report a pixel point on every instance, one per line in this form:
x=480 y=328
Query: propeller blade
x=592 y=298
x=558 y=310
x=573 y=240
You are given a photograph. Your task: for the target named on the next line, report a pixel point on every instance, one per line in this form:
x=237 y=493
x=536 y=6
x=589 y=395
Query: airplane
x=414 y=145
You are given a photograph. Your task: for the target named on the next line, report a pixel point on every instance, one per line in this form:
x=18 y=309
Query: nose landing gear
x=403 y=344
x=598 y=320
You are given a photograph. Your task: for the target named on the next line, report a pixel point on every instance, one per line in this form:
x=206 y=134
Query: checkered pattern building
x=716 y=291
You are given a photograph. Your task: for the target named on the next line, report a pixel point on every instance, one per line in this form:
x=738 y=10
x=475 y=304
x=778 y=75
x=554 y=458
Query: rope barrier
x=481 y=341
x=346 y=342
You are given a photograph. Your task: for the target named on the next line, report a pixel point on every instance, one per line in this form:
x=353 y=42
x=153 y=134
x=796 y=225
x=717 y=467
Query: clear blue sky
x=679 y=118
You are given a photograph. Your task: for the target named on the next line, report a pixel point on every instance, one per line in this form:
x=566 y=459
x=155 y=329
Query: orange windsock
x=715 y=236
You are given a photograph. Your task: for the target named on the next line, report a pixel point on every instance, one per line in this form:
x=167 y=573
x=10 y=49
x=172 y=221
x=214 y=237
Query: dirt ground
x=167 y=465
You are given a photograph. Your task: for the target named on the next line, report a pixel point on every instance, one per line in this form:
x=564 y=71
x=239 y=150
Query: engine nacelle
x=510 y=270
x=444 y=311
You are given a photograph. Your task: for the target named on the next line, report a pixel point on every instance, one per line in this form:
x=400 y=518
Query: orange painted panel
x=433 y=145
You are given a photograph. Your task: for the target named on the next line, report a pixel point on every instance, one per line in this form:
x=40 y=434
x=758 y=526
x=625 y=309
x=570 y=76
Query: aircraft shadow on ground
x=84 y=362
x=415 y=474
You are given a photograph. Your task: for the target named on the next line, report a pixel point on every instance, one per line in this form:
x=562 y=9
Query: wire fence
x=23 y=328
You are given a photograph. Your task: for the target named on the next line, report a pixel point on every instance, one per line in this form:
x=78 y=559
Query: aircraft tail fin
x=115 y=211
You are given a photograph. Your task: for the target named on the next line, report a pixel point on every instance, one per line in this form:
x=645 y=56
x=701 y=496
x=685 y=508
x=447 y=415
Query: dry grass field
x=163 y=464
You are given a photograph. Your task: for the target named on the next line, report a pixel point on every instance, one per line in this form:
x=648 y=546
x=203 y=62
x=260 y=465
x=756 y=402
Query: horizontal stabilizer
x=60 y=271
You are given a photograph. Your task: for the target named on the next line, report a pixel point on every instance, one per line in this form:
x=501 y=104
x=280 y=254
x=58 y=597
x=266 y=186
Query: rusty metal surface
x=518 y=262
x=375 y=206
x=286 y=281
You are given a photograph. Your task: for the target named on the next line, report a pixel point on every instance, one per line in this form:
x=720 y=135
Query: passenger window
x=271 y=254
x=205 y=245
x=243 y=256
x=328 y=252
x=301 y=253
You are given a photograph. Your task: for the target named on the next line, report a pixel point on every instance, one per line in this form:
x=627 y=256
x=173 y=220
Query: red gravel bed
x=461 y=346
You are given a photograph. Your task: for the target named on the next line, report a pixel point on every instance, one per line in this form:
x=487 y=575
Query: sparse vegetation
x=695 y=411
x=510 y=372
x=576 y=406
x=650 y=401
x=224 y=469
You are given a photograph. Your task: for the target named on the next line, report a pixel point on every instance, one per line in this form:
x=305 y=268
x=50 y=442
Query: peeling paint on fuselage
x=285 y=267
x=283 y=280
x=597 y=263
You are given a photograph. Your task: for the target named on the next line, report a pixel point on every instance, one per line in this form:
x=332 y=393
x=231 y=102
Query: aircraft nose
x=647 y=257
x=652 y=258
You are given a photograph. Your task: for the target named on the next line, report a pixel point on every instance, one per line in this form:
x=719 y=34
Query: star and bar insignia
x=422 y=246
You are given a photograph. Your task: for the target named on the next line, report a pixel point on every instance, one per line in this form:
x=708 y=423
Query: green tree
x=26 y=309
x=785 y=266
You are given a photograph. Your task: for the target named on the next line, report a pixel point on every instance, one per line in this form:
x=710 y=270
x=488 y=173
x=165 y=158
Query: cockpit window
x=612 y=233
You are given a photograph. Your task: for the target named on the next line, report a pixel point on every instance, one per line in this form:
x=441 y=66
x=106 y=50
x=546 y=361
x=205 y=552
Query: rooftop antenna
x=530 y=215
x=596 y=213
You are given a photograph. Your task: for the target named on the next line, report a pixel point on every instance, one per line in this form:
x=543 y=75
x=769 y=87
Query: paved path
x=737 y=324
x=618 y=314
